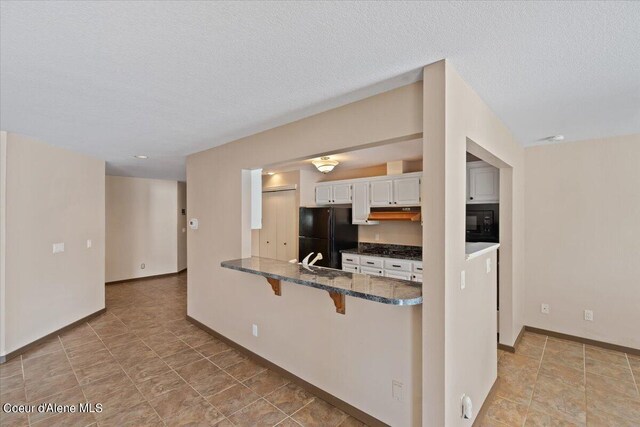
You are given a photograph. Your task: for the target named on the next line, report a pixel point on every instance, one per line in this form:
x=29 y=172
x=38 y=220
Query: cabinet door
x=372 y=271
x=351 y=268
x=484 y=184
x=381 y=193
x=286 y=225
x=268 y=232
x=406 y=191
x=323 y=194
x=341 y=194
x=397 y=275
x=360 y=208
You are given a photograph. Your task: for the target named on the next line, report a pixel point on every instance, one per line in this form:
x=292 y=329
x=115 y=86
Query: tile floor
x=148 y=366
x=553 y=382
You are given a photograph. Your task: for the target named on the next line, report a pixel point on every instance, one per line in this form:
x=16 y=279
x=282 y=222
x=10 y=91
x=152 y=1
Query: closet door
x=286 y=222
x=268 y=233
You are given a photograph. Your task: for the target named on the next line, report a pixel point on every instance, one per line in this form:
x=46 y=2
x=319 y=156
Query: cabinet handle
x=470 y=198
x=285 y=244
x=389 y=202
x=369 y=262
x=395 y=265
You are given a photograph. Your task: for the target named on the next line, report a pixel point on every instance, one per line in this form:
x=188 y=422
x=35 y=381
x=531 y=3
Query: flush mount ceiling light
x=140 y=156
x=325 y=165
x=271 y=173
x=554 y=138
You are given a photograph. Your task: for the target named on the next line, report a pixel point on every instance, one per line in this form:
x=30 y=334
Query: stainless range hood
x=395 y=214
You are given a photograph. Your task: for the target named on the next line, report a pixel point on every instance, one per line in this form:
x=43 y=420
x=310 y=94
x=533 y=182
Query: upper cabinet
x=361 y=208
x=365 y=193
x=406 y=191
x=381 y=192
x=333 y=194
x=483 y=183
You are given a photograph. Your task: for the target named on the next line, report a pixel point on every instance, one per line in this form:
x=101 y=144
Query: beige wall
x=182 y=226
x=300 y=331
x=459 y=344
x=52 y=196
x=142 y=224
x=583 y=238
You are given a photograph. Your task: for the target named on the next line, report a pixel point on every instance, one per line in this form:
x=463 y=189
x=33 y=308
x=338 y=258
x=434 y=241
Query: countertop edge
x=355 y=252
x=347 y=292
x=482 y=251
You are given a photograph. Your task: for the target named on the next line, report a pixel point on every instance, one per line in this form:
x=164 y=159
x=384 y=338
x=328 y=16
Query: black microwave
x=482 y=222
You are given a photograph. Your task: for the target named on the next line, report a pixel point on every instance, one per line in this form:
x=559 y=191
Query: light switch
x=58 y=247
x=488 y=265
x=396 y=390
x=89 y=243
x=463 y=280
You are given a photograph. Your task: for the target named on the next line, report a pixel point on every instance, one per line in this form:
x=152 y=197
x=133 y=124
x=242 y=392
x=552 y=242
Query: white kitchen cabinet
x=351 y=268
x=406 y=191
x=397 y=275
x=371 y=271
x=350 y=259
x=324 y=194
x=381 y=192
x=341 y=194
x=333 y=194
x=483 y=183
x=360 y=208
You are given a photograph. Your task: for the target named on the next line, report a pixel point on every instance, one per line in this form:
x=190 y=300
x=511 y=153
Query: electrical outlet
x=254 y=330
x=588 y=315
x=89 y=243
x=396 y=390
x=463 y=280
x=58 y=247
x=544 y=308
x=488 y=265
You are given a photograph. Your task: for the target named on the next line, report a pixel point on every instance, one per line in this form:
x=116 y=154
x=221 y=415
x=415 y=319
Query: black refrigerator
x=327 y=231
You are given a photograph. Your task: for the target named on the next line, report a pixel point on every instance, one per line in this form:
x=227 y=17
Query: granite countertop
x=413 y=253
x=379 y=289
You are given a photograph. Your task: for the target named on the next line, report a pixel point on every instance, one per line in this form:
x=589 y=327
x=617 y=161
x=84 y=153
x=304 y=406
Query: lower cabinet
x=388 y=267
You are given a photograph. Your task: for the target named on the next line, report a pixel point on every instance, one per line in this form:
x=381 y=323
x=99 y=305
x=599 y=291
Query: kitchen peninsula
x=338 y=283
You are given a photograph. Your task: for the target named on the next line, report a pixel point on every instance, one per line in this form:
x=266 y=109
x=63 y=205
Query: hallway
x=148 y=366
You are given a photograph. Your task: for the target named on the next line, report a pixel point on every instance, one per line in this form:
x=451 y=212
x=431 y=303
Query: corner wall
x=52 y=196
x=583 y=239
x=142 y=227
x=459 y=327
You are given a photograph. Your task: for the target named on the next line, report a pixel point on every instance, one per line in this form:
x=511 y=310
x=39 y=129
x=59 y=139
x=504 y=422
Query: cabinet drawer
x=351 y=268
x=417 y=267
x=367 y=261
x=397 y=265
x=416 y=277
x=372 y=271
x=398 y=275
x=350 y=259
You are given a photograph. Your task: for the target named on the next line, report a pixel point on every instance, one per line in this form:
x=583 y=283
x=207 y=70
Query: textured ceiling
x=114 y=79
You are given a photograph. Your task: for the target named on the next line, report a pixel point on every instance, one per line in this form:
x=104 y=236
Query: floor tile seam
x=633 y=375
x=130 y=379
x=535 y=383
x=187 y=382
x=75 y=375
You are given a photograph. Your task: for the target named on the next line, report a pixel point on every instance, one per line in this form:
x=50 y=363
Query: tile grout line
x=240 y=382
x=24 y=386
x=125 y=372
x=584 y=379
x=635 y=380
x=546 y=338
x=74 y=374
x=180 y=376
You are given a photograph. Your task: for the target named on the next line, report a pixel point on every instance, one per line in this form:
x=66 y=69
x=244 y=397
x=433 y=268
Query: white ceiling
x=114 y=79
x=365 y=157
